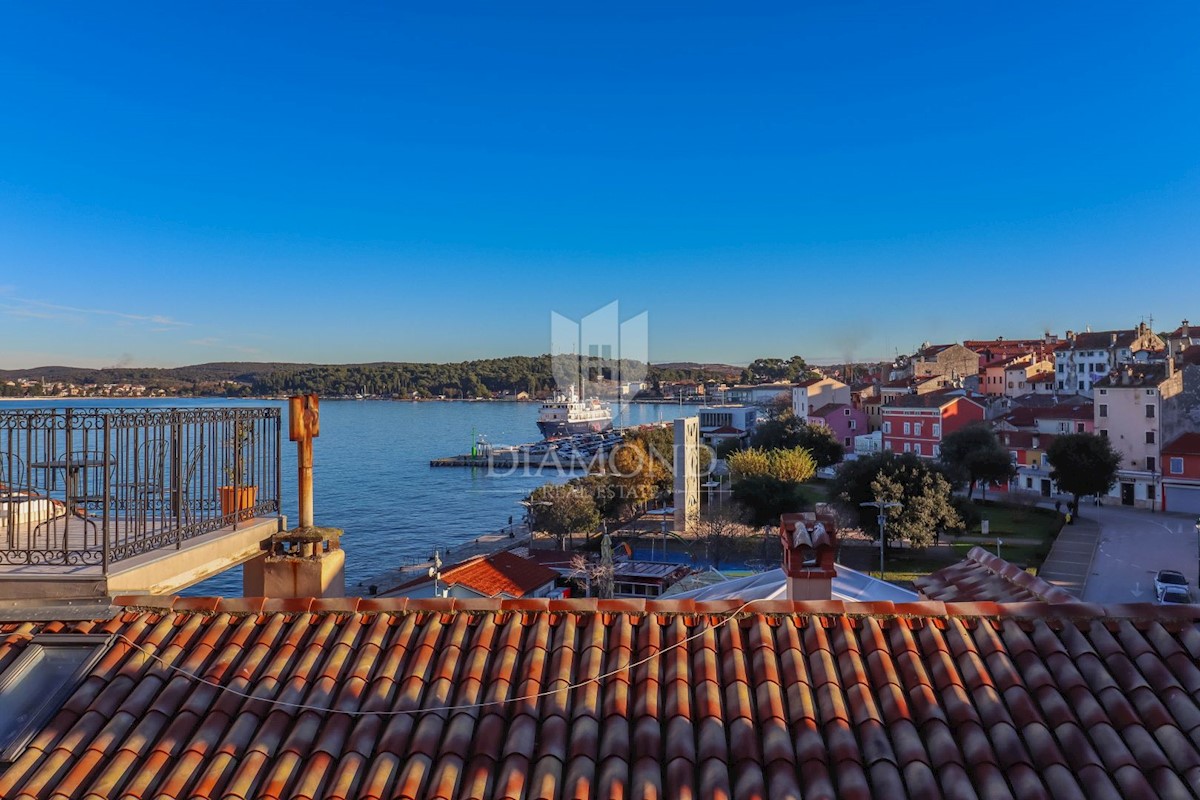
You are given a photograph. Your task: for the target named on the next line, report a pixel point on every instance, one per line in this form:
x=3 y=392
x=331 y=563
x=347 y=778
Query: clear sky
x=189 y=182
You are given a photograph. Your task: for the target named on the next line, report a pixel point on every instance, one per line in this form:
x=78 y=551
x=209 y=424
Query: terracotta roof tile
x=982 y=576
x=855 y=700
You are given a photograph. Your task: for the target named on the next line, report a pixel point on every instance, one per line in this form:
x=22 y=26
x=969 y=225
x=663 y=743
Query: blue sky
x=308 y=182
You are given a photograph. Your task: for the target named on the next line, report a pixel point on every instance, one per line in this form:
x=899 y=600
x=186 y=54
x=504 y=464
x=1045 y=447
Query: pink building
x=843 y=420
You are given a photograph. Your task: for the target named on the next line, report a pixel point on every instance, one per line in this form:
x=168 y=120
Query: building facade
x=917 y=423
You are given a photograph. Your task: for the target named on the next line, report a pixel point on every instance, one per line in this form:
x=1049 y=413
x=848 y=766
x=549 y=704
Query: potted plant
x=236 y=496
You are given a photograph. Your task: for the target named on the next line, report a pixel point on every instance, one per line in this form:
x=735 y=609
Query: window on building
x=1079 y=427
x=907 y=429
x=1029 y=483
x=1103 y=433
x=937 y=451
x=35 y=685
x=1150 y=464
x=1103 y=409
x=887 y=427
x=937 y=429
x=846 y=442
x=1176 y=466
x=1104 y=391
x=907 y=447
x=916 y=429
x=1149 y=437
x=1149 y=491
x=1081 y=386
x=853 y=424
x=1149 y=412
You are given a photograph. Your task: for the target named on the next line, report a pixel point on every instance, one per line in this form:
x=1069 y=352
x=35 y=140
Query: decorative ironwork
x=96 y=486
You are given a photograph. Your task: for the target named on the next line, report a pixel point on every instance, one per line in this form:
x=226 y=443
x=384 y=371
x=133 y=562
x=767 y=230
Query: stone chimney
x=809 y=541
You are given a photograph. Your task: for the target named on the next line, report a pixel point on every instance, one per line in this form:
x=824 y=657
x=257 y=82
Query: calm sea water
x=372 y=478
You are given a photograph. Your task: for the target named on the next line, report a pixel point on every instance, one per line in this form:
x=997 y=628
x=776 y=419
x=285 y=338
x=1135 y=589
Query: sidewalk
x=1070 y=560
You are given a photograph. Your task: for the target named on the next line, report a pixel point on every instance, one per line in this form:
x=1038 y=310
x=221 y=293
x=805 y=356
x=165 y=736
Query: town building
x=1028 y=451
x=759 y=394
x=1090 y=356
x=1183 y=337
x=1128 y=411
x=951 y=361
x=843 y=421
x=814 y=393
x=917 y=423
x=1181 y=475
x=720 y=424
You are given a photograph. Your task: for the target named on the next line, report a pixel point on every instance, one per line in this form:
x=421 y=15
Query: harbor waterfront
x=372 y=475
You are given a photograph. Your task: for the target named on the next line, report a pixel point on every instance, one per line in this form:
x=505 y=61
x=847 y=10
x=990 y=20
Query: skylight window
x=35 y=686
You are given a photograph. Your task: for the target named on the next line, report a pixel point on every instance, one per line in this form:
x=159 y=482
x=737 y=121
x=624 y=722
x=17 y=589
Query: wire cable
x=448 y=708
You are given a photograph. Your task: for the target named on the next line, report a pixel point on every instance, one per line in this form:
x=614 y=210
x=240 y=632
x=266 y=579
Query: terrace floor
x=164 y=570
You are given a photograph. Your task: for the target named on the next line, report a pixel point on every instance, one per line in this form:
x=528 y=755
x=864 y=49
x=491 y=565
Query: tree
x=793 y=465
x=722 y=534
x=787 y=430
x=1083 y=463
x=569 y=511
x=973 y=454
x=921 y=489
x=765 y=498
x=745 y=463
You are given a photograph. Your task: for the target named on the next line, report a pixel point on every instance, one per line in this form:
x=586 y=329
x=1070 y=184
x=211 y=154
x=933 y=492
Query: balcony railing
x=91 y=487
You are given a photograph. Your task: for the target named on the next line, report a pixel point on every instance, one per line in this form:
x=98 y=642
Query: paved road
x=1069 y=563
x=1134 y=544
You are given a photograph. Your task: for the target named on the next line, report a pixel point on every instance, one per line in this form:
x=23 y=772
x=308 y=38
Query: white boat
x=567 y=415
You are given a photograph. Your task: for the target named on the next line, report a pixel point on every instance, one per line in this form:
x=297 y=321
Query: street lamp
x=881 y=506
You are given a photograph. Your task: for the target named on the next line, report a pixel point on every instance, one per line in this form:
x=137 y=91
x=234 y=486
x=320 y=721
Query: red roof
x=829 y=408
x=1023 y=440
x=983 y=577
x=936 y=399
x=493 y=575
x=1186 y=445
x=537 y=698
x=1042 y=377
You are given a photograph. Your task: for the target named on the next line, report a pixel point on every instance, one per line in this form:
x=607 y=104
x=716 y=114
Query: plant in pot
x=237 y=497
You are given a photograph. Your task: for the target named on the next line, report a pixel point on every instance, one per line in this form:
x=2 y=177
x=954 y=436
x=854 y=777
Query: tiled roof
x=623 y=699
x=829 y=408
x=1134 y=375
x=1023 y=440
x=1186 y=445
x=935 y=399
x=494 y=575
x=1027 y=416
x=1042 y=377
x=983 y=577
x=1102 y=340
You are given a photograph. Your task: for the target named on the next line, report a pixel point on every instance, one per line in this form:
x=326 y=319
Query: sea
x=372 y=479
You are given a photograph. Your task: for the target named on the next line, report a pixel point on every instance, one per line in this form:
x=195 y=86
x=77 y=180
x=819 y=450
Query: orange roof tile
x=493 y=575
x=984 y=577
x=538 y=698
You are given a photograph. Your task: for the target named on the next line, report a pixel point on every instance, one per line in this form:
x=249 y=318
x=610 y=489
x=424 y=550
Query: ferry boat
x=567 y=415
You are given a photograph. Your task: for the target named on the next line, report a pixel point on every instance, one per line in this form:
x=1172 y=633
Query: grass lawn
x=1025 y=522
x=902 y=566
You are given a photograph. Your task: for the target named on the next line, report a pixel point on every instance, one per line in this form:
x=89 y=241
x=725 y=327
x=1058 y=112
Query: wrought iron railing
x=96 y=486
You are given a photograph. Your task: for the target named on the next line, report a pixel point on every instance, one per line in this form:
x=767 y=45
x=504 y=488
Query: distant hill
x=479 y=378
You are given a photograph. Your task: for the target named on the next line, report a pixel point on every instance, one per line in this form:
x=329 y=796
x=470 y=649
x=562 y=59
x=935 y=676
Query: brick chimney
x=809 y=541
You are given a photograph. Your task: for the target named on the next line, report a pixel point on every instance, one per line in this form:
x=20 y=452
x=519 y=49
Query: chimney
x=1113 y=338
x=1185 y=331
x=809 y=541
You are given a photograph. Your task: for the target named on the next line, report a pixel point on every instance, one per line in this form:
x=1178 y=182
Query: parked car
x=1175 y=596
x=1169 y=579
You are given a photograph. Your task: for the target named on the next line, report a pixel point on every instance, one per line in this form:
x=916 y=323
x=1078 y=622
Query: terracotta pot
x=239 y=500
